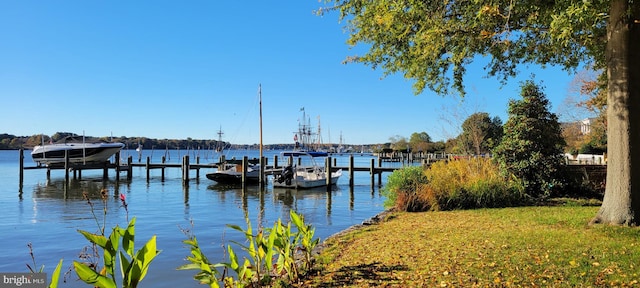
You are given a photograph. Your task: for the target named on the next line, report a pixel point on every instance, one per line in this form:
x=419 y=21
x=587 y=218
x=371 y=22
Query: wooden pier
x=186 y=166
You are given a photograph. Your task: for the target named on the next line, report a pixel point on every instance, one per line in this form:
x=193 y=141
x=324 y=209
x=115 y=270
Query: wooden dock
x=77 y=168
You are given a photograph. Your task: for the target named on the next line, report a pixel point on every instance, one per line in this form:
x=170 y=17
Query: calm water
x=48 y=215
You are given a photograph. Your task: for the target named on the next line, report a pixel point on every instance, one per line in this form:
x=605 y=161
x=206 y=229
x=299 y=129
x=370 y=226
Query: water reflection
x=58 y=189
x=49 y=214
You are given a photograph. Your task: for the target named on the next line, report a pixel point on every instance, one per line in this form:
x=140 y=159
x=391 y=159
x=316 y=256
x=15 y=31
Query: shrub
x=470 y=183
x=401 y=190
x=532 y=145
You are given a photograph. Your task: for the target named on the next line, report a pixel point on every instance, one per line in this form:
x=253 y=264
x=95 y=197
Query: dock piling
x=21 y=167
x=148 y=166
x=185 y=170
x=117 y=161
x=197 y=167
x=66 y=167
x=245 y=164
x=351 y=170
x=379 y=174
x=373 y=172
x=129 y=168
x=164 y=160
x=328 y=172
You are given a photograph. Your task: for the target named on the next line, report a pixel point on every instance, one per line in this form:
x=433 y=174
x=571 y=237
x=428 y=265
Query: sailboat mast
x=319 y=136
x=262 y=166
x=84 y=150
x=220 y=145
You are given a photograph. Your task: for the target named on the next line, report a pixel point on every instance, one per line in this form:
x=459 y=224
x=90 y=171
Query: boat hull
x=306 y=180
x=231 y=178
x=232 y=174
x=54 y=154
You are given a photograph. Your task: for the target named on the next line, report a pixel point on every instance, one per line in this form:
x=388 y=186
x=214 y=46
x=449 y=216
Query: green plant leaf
x=55 y=277
x=128 y=238
x=233 y=259
x=143 y=258
x=125 y=265
x=99 y=240
x=190 y=266
x=236 y=227
x=296 y=219
x=114 y=240
x=91 y=277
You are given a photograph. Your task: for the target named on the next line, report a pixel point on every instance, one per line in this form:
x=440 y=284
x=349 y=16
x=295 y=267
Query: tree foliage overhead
x=432 y=42
x=531 y=148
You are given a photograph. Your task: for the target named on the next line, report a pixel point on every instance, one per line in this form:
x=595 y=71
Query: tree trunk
x=621 y=204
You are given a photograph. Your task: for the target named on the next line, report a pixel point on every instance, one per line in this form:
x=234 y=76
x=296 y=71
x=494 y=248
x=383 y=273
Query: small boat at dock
x=231 y=173
x=304 y=172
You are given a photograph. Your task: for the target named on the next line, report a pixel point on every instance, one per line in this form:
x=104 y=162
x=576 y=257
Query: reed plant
x=468 y=184
x=55 y=276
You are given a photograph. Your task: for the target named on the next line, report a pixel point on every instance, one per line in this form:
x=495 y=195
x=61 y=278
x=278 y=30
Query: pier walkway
x=186 y=166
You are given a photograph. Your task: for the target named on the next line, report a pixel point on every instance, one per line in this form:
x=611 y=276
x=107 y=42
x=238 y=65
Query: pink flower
x=123 y=198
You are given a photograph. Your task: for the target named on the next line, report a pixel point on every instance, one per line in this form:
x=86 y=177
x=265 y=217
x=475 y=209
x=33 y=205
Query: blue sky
x=179 y=69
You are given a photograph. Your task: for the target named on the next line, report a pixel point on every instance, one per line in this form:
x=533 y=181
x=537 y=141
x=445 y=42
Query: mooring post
x=117 y=160
x=373 y=172
x=66 y=167
x=129 y=167
x=147 y=166
x=164 y=159
x=21 y=167
x=105 y=171
x=245 y=164
x=185 y=169
x=263 y=164
x=197 y=167
x=328 y=169
x=351 y=170
x=380 y=174
x=275 y=161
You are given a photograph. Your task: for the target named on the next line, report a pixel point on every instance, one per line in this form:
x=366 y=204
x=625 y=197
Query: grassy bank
x=530 y=246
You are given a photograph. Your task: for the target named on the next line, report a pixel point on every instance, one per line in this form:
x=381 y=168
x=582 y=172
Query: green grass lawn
x=529 y=247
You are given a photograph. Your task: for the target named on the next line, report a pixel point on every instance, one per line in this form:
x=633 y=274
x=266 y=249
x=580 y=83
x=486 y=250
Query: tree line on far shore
x=8 y=141
x=13 y=142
